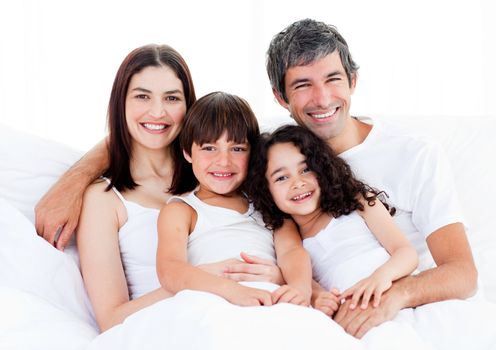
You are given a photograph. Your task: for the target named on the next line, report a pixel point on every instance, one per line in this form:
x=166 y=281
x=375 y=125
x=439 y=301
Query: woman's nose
x=157 y=109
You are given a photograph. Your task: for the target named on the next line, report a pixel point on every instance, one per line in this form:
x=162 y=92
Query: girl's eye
x=306 y=170
x=280 y=178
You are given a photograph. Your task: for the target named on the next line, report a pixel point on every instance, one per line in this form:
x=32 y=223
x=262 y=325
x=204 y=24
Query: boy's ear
x=187 y=156
x=280 y=99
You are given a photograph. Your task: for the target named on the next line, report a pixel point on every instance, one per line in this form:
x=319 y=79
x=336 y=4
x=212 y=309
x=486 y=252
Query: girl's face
x=221 y=166
x=293 y=186
x=155 y=107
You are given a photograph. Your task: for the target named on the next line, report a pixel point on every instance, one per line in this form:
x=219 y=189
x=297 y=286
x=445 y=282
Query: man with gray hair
x=314 y=76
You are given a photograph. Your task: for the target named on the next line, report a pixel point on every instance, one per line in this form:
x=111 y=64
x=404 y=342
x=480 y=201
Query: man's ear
x=280 y=99
x=187 y=156
x=354 y=78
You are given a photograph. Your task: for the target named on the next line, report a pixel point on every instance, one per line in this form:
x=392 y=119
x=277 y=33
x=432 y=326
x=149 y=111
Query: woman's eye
x=172 y=98
x=142 y=97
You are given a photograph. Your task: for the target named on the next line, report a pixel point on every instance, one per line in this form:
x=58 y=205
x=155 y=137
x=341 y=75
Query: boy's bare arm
x=57 y=212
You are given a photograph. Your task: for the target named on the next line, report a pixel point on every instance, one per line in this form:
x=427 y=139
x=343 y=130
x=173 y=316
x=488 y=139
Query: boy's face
x=221 y=166
x=319 y=96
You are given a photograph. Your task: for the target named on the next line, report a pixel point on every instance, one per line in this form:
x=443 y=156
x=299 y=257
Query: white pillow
x=29 y=263
x=29 y=165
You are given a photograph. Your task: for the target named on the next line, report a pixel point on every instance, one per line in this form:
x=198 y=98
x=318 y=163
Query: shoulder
x=97 y=200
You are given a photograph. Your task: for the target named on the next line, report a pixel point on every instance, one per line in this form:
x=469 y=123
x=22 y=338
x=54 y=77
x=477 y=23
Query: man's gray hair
x=302 y=43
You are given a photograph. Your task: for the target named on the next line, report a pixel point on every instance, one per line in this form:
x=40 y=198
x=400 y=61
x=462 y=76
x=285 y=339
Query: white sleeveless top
x=222 y=233
x=344 y=252
x=138 y=245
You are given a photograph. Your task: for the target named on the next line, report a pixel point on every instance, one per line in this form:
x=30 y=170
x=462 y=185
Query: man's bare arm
x=455 y=277
x=60 y=207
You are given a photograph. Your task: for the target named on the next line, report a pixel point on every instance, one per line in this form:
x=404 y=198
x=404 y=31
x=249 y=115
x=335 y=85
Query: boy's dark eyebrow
x=304 y=80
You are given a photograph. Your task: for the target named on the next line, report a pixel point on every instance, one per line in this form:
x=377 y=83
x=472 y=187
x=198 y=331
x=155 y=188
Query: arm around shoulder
x=60 y=207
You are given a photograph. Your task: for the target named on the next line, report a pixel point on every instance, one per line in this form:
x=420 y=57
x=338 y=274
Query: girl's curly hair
x=340 y=190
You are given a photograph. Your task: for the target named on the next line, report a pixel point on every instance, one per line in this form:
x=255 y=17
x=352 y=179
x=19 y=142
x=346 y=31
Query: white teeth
x=325 y=115
x=154 y=126
x=222 y=174
x=301 y=196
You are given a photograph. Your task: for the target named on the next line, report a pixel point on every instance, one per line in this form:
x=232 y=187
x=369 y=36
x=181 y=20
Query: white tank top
x=344 y=252
x=138 y=246
x=222 y=233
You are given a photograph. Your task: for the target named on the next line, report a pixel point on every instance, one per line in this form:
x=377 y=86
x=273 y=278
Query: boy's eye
x=239 y=149
x=208 y=148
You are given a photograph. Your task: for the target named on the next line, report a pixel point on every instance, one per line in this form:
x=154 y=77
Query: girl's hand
x=253 y=269
x=247 y=296
x=367 y=288
x=292 y=295
x=327 y=301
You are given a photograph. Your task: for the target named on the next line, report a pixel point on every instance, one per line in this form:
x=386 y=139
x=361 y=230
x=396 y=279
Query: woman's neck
x=146 y=164
x=312 y=223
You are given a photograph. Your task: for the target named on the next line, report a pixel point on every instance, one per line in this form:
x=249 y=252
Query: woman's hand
x=253 y=268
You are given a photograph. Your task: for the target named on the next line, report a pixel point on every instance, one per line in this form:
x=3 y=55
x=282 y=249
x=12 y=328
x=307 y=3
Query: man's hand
x=358 y=321
x=252 y=269
x=58 y=212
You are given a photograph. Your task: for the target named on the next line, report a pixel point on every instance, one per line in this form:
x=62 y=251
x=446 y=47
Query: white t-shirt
x=416 y=176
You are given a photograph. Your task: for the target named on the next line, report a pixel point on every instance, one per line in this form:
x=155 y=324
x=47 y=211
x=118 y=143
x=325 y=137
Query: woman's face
x=155 y=107
x=293 y=186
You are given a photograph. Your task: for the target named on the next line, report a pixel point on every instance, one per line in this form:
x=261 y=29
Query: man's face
x=319 y=96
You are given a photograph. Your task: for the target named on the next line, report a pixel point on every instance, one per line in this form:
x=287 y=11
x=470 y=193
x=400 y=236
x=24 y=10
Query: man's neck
x=354 y=133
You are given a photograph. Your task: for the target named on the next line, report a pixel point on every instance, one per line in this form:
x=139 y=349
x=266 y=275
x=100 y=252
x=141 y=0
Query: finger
x=50 y=231
x=287 y=297
x=245 y=277
x=377 y=298
x=335 y=291
x=356 y=298
x=344 y=314
x=245 y=268
x=278 y=293
x=251 y=259
x=367 y=294
x=357 y=322
x=65 y=235
x=266 y=299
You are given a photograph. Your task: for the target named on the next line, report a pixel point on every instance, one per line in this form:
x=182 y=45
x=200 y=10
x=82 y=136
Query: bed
x=43 y=304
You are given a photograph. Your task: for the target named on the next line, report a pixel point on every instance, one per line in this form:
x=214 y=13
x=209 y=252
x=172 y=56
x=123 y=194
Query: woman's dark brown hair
x=119 y=141
x=205 y=122
x=340 y=190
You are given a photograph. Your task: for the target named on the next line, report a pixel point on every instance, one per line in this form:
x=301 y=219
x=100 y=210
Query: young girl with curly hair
x=355 y=246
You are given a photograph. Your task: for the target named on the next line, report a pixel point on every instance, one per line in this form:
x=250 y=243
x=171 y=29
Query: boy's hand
x=327 y=301
x=292 y=295
x=367 y=288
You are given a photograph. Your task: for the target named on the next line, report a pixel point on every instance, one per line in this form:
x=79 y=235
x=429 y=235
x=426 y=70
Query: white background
x=417 y=58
